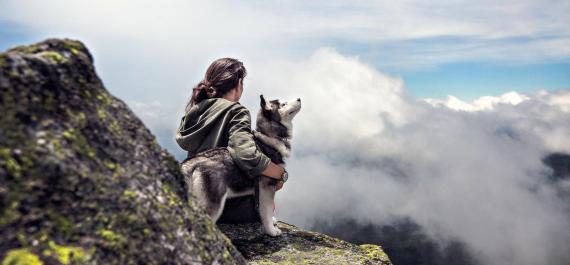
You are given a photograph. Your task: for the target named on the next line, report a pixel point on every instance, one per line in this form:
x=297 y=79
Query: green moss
x=173 y=198
x=21 y=257
x=118 y=171
x=129 y=194
x=82 y=119
x=10 y=214
x=374 y=252
x=21 y=237
x=12 y=166
x=110 y=165
x=115 y=128
x=105 y=98
x=111 y=237
x=73 y=46
x=62 y=223
x=79 y=142
x=70 y=134
x=54 y=57
x=87 y=93
x=102 y=114
x=67 y=254
x=79 y=118
x=49 y=100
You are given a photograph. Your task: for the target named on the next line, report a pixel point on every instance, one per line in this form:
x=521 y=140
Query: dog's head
x=278 y=112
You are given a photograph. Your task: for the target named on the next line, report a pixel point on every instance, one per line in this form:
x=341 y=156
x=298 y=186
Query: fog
x=365 y=149
x=468 y=173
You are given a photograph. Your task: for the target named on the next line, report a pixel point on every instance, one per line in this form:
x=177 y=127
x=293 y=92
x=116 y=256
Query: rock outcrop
x=297 y=246
x=83 y=181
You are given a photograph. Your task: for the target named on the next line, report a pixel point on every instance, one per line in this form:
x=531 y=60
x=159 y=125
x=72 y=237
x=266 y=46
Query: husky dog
x=212 y=175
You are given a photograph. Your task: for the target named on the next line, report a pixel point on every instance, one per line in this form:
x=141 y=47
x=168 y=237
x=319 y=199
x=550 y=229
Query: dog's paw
x=274 y=219
x=274 y=231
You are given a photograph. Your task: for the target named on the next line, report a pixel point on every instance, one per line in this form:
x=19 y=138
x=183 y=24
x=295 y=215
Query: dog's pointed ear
x=265 y=110
x=263 y=103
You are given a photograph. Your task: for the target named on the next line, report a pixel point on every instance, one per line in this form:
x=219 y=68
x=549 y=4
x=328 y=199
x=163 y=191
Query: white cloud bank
x=365 y=149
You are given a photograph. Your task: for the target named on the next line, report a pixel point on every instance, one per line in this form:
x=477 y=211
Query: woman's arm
x=275 y=171
x=243 y=149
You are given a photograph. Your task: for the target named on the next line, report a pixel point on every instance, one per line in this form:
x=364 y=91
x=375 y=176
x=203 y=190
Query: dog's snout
x=299 y=99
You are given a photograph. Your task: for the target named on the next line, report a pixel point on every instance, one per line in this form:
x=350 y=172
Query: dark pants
x=240 y=210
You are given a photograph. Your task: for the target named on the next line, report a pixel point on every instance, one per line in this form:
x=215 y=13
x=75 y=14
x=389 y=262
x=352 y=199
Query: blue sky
x=470 y=80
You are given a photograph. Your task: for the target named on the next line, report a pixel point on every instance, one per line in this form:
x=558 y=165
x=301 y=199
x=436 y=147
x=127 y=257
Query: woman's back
x=218 y=122
x=205 y=126
x=208 y=125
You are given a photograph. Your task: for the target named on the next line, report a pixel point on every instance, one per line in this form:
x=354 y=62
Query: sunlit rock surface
x=297 y=246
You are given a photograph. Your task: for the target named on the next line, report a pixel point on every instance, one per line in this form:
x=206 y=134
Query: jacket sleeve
x=242 y=146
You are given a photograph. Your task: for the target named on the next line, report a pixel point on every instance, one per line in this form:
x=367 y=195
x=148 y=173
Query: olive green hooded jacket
x=218 y=122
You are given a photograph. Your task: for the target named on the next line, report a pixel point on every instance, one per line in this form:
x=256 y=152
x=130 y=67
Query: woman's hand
x=279 y=185
x=276 y=172
x=273 y=171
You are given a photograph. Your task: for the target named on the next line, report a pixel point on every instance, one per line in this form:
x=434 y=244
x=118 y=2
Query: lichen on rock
x=298 y=246
x=82 y=180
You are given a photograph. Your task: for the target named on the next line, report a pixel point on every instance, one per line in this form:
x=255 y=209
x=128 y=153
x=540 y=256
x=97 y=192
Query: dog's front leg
x=266 y=198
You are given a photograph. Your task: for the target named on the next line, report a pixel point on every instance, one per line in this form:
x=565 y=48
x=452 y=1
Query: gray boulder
x=82 y=180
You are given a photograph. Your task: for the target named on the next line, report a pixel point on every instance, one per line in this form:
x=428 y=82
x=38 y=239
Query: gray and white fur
x=212 y=176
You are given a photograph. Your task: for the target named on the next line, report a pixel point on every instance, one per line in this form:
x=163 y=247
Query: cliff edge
x=298 y=246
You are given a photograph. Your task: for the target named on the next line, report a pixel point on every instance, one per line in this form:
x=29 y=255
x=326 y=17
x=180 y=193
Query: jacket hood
x=197 y=124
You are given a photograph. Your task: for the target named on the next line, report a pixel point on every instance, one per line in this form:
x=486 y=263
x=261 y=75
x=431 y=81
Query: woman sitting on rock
x=215 y=118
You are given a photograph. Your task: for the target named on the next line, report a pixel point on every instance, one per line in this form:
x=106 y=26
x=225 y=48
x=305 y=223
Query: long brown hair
x=221 y=76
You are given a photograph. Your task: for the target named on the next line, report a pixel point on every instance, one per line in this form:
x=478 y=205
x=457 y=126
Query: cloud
x=365 y=149
x=407 y=34
x=481 y=104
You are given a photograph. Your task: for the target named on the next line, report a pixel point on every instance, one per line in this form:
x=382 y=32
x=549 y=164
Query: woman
x=215 y=118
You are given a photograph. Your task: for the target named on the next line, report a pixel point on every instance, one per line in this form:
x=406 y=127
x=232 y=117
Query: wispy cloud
x=462 y=30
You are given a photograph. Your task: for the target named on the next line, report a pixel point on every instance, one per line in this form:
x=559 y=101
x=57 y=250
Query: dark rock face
x=297 y=246
x=81 y=178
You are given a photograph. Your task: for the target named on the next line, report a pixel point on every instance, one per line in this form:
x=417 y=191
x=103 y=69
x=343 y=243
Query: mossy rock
x=82 y=180
x=298 y=246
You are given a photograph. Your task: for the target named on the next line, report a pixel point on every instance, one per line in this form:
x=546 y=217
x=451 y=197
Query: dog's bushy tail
x=187 y=170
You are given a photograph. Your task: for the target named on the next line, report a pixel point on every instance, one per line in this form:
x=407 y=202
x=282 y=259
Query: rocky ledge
x=297 y=246
x=83 y=181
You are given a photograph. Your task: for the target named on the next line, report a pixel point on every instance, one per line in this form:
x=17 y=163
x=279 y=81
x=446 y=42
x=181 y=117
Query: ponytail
x=222 y=76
